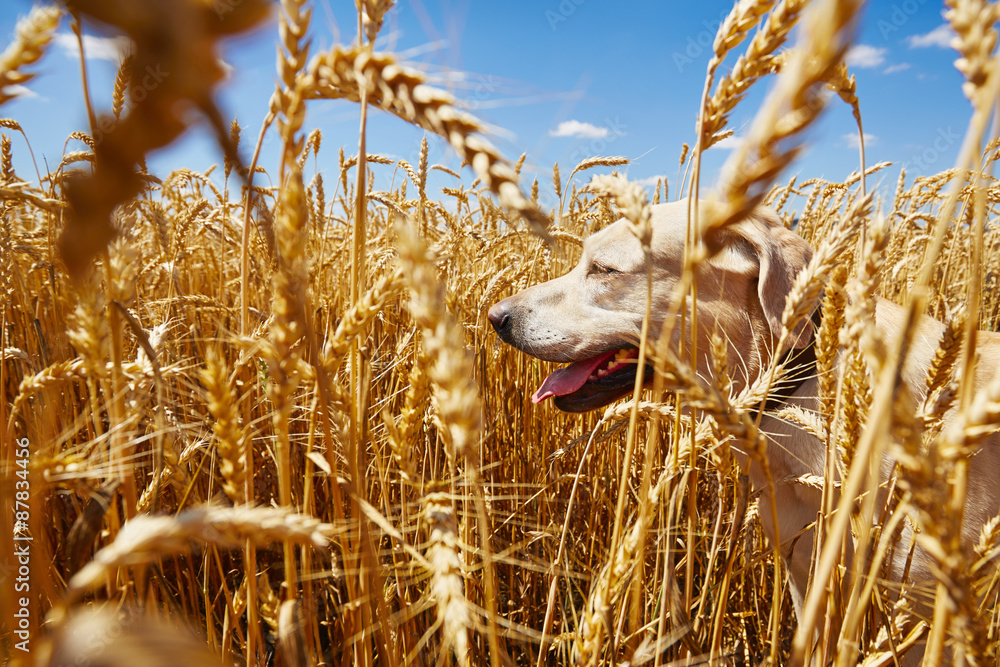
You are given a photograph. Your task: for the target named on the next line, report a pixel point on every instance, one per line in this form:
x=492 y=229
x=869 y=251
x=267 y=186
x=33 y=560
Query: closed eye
x=602 y=269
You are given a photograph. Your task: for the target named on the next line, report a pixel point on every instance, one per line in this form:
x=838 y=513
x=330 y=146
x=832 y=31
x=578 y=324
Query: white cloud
x=649 y=182
x=96 y=48
x=575 y=128
x=852 y=140
x=729 y=143
x=899 y=67
x=940 y=37
x=17 y=90
x=865 y=56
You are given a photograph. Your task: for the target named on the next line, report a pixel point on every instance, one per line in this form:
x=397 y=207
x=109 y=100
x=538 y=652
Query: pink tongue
x=567 y=380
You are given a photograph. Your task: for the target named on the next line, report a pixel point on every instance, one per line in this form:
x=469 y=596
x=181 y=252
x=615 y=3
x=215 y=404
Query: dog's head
x=592 y=316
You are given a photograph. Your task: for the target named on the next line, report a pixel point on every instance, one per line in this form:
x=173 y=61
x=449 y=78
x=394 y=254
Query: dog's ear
x=780 y=254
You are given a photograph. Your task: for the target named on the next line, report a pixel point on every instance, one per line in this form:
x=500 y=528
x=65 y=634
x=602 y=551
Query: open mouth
x=592 y=383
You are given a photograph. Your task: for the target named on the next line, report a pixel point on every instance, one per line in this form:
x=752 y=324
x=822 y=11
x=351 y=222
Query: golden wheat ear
x=34 y=33
x=341 y=73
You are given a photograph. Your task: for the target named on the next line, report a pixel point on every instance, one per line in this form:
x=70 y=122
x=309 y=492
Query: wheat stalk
x=34 y=33
x=356 y=319
x=146 y=538
x=457 y=408
x=941 y=391
x=231 y=437
x=793 y=105
x=976 y=38
x=122 y=80
x=447 y=588
x=457 y=411
x=596 y=622
x=373 y=14
x=341 y=73
x=758 y=61
x=808 y=285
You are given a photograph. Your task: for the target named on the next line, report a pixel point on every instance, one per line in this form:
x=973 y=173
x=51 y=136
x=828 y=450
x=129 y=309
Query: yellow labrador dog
x=591 y=318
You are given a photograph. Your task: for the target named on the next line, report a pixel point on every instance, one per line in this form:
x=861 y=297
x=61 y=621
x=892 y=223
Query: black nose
x=499 y=317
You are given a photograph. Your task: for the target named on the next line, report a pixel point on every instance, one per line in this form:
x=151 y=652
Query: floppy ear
x=780 y=255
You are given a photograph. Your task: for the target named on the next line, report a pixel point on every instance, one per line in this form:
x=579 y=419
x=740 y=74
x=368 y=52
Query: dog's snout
x=499 y=317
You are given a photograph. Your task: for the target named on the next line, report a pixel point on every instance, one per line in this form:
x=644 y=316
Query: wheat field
x=275 y=426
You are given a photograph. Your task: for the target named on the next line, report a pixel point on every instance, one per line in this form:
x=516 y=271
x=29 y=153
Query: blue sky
x=561 y=80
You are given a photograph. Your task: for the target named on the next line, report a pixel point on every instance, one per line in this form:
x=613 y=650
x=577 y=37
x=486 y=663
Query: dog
x=591 y=318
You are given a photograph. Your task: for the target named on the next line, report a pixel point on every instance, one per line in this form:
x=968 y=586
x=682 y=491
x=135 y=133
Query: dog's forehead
x=670 y=223
x=616 y=233
x=669 y=231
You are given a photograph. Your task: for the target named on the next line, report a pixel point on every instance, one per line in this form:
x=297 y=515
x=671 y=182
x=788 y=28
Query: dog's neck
x=801 y=363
